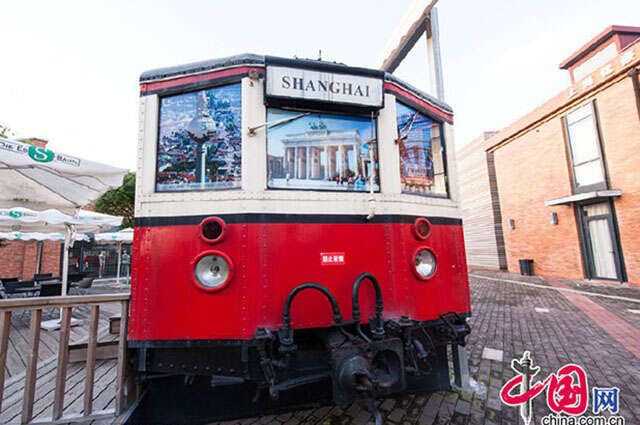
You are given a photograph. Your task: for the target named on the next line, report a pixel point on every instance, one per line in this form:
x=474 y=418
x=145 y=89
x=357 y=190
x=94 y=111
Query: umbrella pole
x=65 y=260
x=119 y=259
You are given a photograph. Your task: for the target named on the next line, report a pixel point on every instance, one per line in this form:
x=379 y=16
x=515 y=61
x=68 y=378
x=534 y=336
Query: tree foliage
x=120 y=201
x=5 y=131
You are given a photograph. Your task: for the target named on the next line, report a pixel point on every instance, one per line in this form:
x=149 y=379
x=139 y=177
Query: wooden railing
x=66 y=304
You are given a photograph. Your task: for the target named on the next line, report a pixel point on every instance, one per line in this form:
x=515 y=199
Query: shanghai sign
x=322 y=86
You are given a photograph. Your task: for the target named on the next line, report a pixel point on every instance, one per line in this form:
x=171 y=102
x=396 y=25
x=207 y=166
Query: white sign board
x=285 y=82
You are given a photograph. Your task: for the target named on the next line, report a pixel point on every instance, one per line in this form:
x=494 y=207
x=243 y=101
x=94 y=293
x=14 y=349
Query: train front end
x=298 y=239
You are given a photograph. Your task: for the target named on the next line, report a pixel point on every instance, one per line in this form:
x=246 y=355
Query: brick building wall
x=620 y=125
x=532 y=164
x=530 y=171
x=19 y=259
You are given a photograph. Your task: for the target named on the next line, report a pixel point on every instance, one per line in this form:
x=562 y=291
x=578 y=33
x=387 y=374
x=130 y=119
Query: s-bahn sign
x=38 y=154
x=322 y=86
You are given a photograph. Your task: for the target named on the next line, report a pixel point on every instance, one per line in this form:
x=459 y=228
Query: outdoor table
x=26 y=289
x=57 y=281
x=31 y=290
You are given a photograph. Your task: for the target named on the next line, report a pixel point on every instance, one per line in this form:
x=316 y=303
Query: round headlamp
x=424 y=263
x=213 y=271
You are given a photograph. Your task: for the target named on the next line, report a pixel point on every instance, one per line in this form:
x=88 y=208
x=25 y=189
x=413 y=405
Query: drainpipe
x=636 y=87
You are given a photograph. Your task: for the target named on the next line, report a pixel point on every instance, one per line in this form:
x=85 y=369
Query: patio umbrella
x=28 y=221
x=35 y=236
x=38 y=178
x=43 y=191
x=121 y=237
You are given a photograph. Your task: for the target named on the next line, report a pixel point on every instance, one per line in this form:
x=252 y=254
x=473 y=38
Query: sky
x=69 y=69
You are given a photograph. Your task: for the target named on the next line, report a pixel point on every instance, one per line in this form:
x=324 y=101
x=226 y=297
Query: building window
x=422 y=156
x=584 y=143
x=199 y=140
x=321 y=152
x=600 y=242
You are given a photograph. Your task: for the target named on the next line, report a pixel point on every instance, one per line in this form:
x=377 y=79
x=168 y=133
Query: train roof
x=259 y=60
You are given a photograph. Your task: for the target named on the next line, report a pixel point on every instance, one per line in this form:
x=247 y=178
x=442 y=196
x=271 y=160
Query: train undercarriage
x=286 y=369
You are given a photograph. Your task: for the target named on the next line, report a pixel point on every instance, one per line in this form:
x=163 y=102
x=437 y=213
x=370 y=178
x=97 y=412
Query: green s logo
x=39 y=154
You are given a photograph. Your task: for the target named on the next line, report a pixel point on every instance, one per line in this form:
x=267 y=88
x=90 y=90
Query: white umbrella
x=23 y=219
x=39 y=178
x=124 y=235
x=35 y=236
x=121 y=237
x=17 y=219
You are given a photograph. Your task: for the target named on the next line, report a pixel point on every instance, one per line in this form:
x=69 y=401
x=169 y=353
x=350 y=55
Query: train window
x=199 y=140
x=422 y=161
x=315 y=151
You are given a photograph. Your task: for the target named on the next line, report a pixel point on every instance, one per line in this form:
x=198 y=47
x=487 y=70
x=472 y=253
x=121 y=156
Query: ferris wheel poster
x=199 y=140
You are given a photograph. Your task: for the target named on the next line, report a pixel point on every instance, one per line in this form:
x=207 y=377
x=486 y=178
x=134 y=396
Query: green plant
x=120 y=201
x=5 y=131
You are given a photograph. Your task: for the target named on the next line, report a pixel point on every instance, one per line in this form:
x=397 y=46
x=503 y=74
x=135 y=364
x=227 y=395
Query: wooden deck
x=74 y=387
x=19 y=336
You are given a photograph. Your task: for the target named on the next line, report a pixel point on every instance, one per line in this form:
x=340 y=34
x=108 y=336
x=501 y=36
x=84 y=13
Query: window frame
x=445 y=163
x=214 y=84
x=585 y=240
x=604 y=184
x=317 y=111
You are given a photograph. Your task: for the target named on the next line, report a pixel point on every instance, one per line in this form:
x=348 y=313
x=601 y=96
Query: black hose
x=286 y=314
x=356 y=303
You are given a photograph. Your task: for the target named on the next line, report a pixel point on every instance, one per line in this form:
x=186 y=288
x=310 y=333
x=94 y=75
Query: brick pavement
x=626 y=334
x=505 y=318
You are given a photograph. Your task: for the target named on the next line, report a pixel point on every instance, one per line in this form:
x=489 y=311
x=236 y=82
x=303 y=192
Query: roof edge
x=563 y=99
x=254 y=59
x=595 y=42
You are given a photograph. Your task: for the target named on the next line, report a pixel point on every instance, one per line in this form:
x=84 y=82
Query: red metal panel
x=182 y=80
x=408 y=95
x=271 y=259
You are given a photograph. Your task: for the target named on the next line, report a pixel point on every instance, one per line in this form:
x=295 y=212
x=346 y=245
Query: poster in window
x=315 y=151
x=420 y=144
x=199 y=140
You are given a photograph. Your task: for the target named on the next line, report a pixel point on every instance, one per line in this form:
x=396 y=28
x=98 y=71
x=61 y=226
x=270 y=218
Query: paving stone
x=463 y=407
x=388 y=404
x=492 y=354
x=364 y=418
x=504 y=318
x=396 y=415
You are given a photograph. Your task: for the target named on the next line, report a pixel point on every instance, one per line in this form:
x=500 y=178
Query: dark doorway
x=601 y=248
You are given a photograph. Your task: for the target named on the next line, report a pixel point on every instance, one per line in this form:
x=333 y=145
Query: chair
x=51 y=290
x=9 y=279
x=27 y=283
x=14 y=288
x=75 y=277
x=6 y=282
x=84 y=285
x=42 y=276
x=9 y=287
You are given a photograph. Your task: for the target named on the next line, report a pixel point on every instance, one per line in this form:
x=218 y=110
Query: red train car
x=298 y=239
